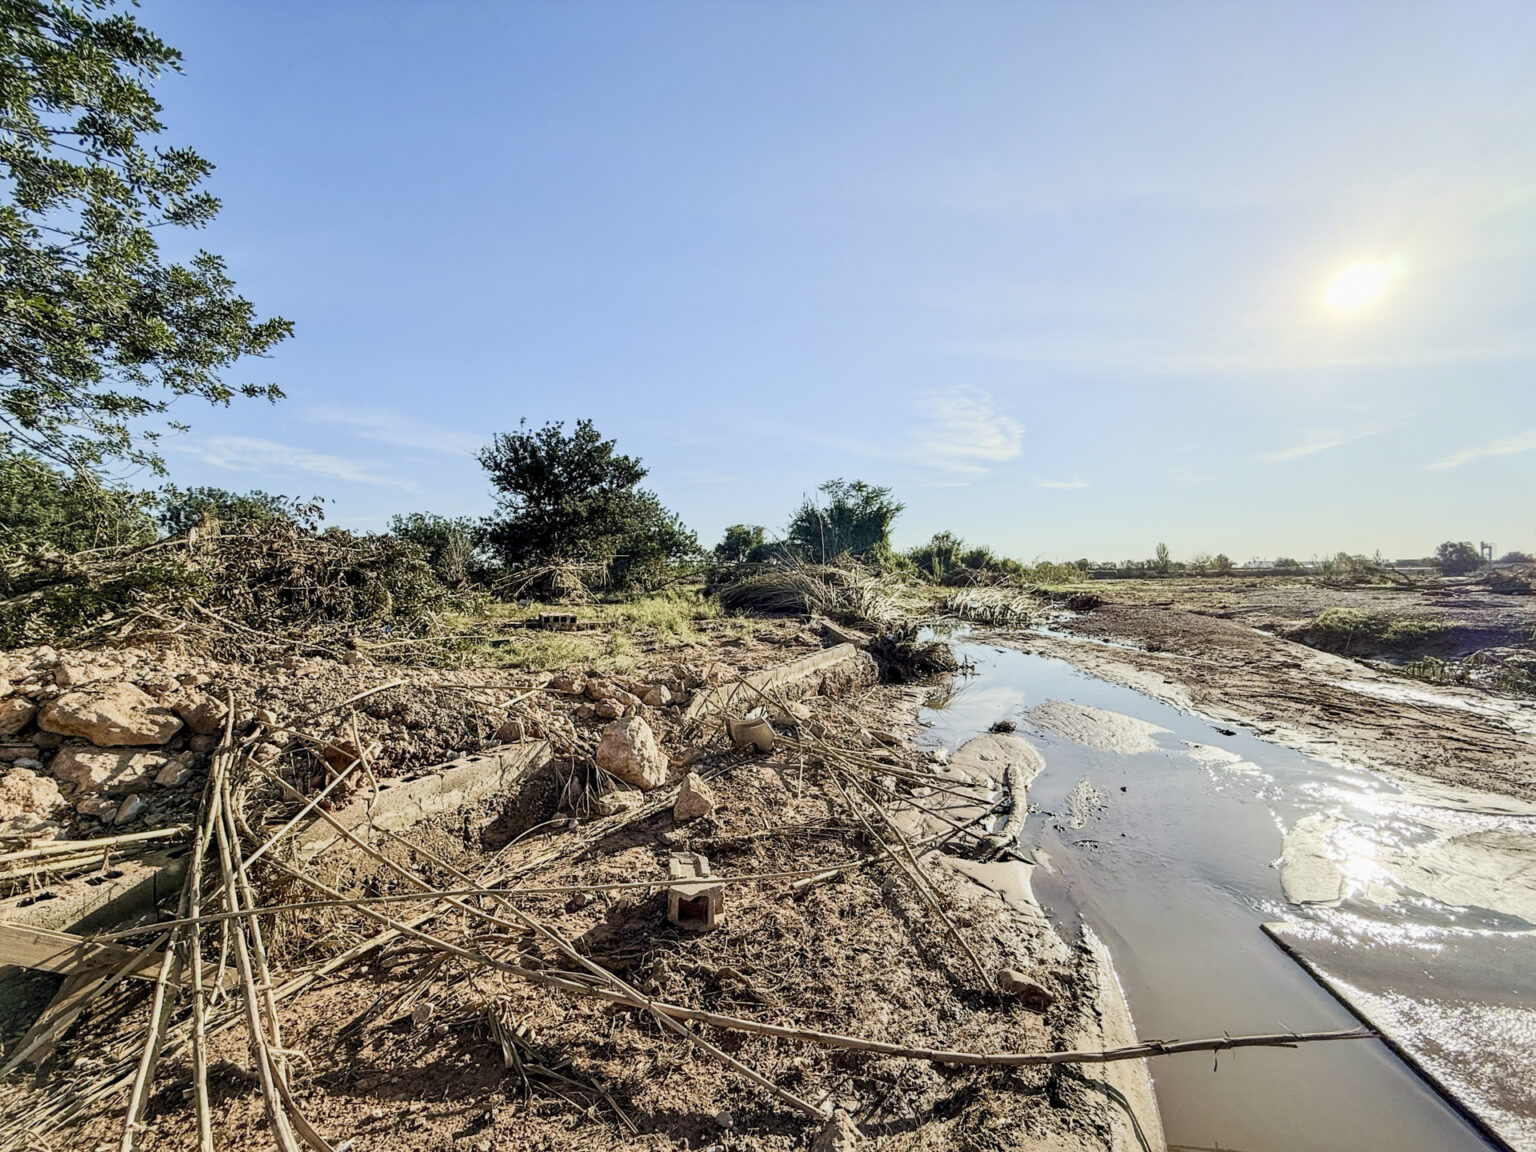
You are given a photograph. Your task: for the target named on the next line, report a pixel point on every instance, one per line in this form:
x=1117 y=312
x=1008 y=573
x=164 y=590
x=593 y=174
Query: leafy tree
x=1456 y=558
x=741 y=543
x=450 y=544
x=572 y=497
x=1162 y=560
x=184 y=508
x=1517 y=558
x=1287 y=564
x=42 y=508
x=853 y=517
x=1221 y=562
x=97 y=331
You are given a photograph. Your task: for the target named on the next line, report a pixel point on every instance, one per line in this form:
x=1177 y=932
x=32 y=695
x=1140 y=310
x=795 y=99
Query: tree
x=1516 y=558
x=854 y=518
x=97 y=331
x=450 y=544
x=1456 y=558
x=572 y=497
x=1162 y=560
x=741 y=543
x=1221 y=562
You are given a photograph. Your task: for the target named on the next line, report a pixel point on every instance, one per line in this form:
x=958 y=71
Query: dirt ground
x=1219 y=647
x=412 y=1047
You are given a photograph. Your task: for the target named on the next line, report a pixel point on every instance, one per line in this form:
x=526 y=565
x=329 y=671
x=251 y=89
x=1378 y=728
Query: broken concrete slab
x=826 y=672
x=406 y=801
x=85 y=904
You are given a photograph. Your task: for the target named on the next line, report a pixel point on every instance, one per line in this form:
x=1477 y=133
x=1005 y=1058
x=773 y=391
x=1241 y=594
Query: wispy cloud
x=248 y=454
x=1075 y=482
x=388 y=426
x=1321 y=442
x=1524 y=442
x=965 y=432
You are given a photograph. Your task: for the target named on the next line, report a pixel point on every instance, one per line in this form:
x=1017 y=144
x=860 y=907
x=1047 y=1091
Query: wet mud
x=1171 y=839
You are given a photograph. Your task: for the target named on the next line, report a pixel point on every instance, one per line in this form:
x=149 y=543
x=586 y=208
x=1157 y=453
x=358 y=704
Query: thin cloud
x=1075 y=482
x=248 y=454
x=966 y=433
x=1322 y=443
x=1525 y=442
x=391 y=427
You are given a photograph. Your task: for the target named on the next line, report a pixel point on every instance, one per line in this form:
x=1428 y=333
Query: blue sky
x=1055 y=273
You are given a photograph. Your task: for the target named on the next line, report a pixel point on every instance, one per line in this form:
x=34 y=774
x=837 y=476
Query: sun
x=1359 y=285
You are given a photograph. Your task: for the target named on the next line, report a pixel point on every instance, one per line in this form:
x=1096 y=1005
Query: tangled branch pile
x=275 y=582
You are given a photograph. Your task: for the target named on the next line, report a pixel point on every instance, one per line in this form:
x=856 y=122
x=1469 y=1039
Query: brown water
x=1171 y=855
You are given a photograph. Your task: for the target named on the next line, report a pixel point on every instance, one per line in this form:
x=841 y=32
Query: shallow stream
x=1176 y=841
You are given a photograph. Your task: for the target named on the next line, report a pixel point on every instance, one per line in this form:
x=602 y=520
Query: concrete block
x=406 y=801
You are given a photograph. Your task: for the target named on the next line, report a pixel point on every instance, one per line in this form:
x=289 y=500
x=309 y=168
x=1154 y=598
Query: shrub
x=184 y=508
x=742 y=544
x=452 y=545
x=44 y=509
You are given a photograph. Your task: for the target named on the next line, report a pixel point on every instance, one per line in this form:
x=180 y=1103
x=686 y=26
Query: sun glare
x=1358 y=286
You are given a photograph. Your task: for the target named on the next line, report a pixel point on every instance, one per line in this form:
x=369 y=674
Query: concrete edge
x=1274 y=929
x=408 y=800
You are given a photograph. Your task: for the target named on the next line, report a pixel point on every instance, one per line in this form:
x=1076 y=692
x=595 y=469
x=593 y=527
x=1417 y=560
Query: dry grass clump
x=998 y=607
x=851 y=594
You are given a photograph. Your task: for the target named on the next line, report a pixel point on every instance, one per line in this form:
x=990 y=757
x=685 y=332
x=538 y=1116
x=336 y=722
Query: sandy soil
x=409 y=1049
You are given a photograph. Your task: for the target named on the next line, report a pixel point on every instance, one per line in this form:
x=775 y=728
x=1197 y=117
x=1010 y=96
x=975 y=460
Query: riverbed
x=1177 y=842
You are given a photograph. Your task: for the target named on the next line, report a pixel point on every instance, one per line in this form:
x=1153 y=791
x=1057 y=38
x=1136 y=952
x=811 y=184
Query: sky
x=1070 y=279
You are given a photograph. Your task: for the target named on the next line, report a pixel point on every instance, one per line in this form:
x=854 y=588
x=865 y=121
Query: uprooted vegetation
x=1349 y=631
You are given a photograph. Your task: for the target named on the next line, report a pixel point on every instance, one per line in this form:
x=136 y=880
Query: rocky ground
x=409 y=1045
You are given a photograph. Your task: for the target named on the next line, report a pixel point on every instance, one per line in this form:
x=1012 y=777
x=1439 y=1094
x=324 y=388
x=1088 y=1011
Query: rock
x=570 y=685
x=15 y=714
x=97 y=806
x=658 y=696
x=10 y=753
x=586 y=711
x=203 y=743
x=598 y=690
x=628 y=750
x=176 y=771
x=201 y=712
x=839 y=1134
x=132 y=809
x=72 y=672
x=511 y=732
x=694 y=799
x=110 y=716
x=47 y=739
x=1026 y=991
x=27 y=801
x=96 y=770
x=619 y=800
x=608 y=709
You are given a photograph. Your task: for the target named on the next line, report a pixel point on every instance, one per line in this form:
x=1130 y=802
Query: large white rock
x=629 y=750
x=110 y=716
x=15 y=714
x=201 y=712
x=96 y=770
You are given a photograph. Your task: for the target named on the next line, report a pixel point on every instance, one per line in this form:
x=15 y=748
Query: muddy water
x=1167 y=836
